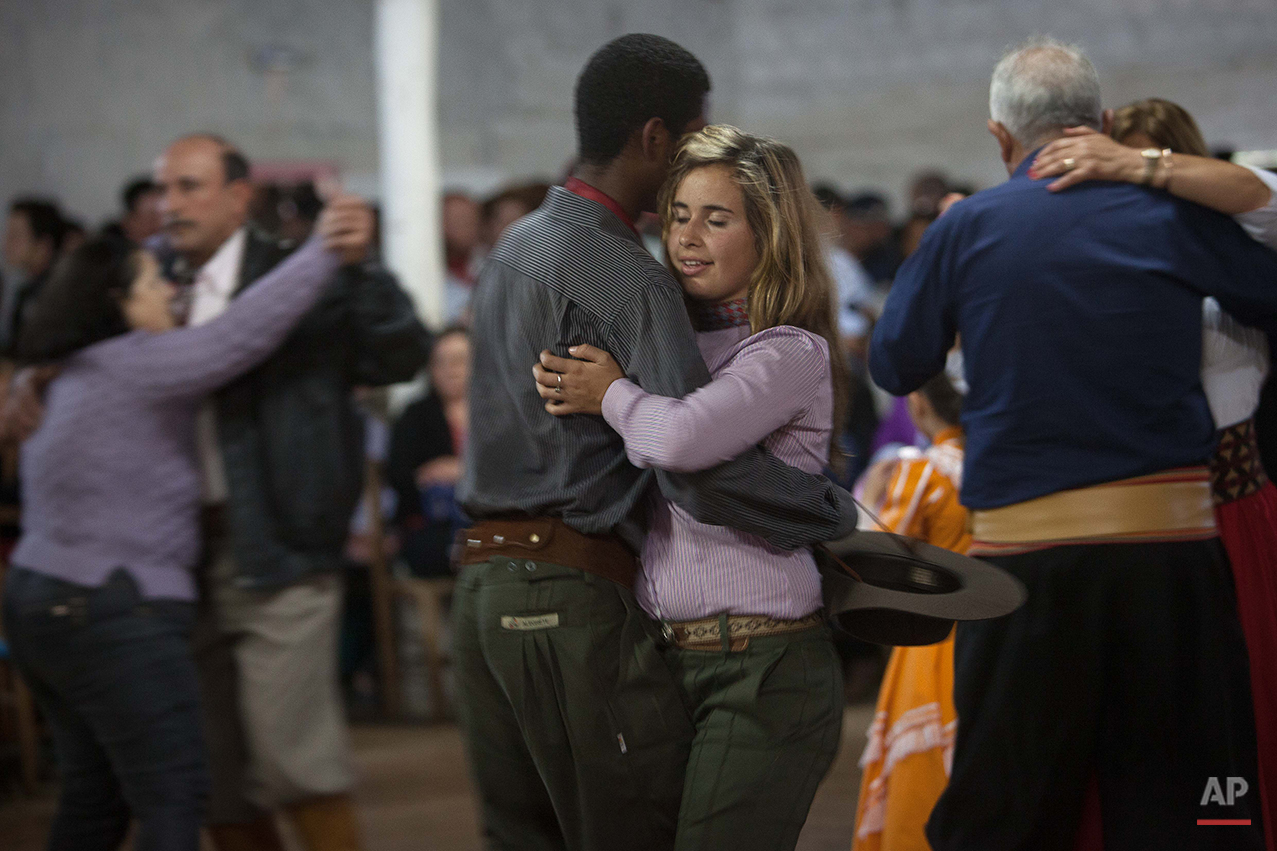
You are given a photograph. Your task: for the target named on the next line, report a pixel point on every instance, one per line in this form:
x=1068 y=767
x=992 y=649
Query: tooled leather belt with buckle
x=707 y=633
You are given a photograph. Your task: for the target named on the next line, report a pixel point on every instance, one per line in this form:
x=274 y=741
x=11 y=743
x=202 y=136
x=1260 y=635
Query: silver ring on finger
x=1069 y=163
x=558 y=388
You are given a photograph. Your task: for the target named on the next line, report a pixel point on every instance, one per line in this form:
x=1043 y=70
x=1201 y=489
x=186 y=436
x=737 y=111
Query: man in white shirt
x=214 y=285
x=282 y=458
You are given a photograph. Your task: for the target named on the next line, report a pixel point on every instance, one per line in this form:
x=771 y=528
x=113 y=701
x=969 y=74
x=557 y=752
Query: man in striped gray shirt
x=577 y=731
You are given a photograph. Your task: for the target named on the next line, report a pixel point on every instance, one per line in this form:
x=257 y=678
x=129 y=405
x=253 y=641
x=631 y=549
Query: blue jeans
x=114 y=676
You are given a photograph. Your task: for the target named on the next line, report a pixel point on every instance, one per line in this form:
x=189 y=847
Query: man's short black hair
x=134 y=190
x=629 y=81
x=44 y=218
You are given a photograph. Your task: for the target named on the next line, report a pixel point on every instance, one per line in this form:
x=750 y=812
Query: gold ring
x=1069 y=163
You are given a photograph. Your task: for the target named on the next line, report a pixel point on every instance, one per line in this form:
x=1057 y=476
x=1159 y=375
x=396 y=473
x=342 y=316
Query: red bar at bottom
x=1215 y=821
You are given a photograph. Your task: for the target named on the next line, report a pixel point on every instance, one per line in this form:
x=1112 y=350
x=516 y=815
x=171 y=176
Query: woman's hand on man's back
x=576 y=385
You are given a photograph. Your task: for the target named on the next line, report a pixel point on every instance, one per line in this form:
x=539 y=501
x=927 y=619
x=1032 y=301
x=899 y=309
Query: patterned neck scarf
x=716 y=317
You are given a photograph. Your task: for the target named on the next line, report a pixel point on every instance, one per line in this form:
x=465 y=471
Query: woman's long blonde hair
x=791 y=285
x=1168 y=124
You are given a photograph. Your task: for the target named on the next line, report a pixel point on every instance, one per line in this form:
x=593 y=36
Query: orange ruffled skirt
x=906 y=764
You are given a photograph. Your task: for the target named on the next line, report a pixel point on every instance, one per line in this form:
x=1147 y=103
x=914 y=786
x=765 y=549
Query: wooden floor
x=414 y=793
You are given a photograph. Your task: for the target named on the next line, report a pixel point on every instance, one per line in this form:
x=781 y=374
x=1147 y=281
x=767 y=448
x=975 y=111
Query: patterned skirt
x=906 y=764
x=1246 y=512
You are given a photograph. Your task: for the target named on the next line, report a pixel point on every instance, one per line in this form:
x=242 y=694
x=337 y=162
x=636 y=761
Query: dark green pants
x=578 y=735
x=768 y=720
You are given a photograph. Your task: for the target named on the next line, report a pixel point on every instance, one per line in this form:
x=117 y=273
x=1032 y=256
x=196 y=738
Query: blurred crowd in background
x=421 y=444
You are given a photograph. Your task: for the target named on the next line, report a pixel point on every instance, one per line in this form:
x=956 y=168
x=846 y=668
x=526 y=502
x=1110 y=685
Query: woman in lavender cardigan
x=99 y=603
x=747 y=638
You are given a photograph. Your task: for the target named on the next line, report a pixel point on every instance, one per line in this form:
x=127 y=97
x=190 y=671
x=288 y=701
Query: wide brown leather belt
x=707 y=633
x=550 y=540
x=1168 y=506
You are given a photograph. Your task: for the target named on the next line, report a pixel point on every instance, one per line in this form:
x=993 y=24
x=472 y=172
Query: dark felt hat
x=892 y=590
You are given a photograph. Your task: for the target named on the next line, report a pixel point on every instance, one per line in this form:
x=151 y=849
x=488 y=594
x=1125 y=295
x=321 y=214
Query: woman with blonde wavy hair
x=742 y=621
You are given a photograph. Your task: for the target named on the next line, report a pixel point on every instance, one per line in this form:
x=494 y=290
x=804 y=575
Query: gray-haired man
x=1087 y=439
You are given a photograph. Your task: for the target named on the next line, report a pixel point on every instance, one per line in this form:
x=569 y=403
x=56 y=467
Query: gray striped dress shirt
x=570 y=273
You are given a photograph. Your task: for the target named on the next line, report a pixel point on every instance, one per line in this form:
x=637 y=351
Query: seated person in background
x=463 y=251
x=906 y=762
x=73 y=236
x=867 y=233
x=33 y=235
x=911 y=231
x=854 y=291
x=854 y=287
x=508 y=206
x=425 y=457
x=140 y=217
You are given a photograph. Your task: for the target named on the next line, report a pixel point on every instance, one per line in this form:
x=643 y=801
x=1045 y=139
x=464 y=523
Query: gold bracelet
x=1167 y=167
x=1151 y=156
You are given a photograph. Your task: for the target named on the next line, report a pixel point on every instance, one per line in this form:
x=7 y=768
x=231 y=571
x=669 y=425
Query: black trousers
x=1126 y=663
x=114 y=676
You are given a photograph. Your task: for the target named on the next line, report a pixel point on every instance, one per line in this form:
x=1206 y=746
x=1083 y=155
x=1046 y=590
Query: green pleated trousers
x=768 y=719
x=577 y=732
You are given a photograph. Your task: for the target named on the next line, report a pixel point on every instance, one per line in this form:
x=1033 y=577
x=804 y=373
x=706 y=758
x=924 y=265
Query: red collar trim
x=727 y=314
x=579 y=187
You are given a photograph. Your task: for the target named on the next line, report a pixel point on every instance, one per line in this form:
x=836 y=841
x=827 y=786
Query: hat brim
x=905 y=592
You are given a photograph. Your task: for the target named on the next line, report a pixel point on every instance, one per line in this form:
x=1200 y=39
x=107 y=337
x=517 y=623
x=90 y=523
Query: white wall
x=92 y=90
x=867 y=90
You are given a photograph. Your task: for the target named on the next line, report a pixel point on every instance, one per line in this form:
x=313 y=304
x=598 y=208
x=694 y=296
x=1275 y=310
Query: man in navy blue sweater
x=1079 y=315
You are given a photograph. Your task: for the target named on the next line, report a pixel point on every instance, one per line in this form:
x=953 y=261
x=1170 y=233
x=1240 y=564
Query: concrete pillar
x=407 y=49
